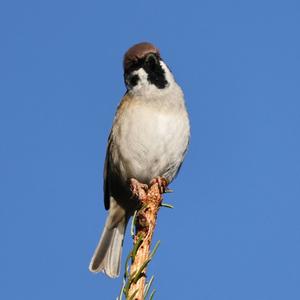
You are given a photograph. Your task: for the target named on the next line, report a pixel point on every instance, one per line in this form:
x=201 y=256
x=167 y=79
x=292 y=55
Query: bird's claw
x=162 y=184
x=138 y=189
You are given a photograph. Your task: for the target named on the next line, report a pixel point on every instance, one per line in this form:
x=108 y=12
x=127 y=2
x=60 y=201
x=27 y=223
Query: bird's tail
x=107 y=256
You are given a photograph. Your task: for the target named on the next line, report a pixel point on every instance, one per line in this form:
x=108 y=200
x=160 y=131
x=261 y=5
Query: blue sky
x=235 y=230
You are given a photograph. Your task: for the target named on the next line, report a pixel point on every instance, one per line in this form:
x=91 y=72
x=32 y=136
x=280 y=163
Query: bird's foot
x=162 y=184
x=138 y=189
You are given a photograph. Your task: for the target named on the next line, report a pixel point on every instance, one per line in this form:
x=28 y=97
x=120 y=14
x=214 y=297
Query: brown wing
x=107 y=168
x=106 y=175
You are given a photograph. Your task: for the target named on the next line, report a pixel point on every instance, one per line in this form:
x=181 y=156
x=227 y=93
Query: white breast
x=150 y=138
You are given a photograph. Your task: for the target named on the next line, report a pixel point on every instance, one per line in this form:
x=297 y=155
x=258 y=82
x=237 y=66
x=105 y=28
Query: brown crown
x=137 y=52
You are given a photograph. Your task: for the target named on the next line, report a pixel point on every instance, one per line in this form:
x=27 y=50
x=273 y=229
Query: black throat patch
x=151 y=65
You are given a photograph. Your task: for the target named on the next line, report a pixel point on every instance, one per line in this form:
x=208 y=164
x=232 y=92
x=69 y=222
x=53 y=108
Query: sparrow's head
x=145 y=69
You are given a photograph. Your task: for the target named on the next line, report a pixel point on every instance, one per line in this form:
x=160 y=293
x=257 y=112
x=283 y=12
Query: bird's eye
x=151 y=60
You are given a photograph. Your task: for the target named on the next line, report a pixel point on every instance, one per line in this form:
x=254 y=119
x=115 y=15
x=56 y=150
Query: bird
x=148 y=141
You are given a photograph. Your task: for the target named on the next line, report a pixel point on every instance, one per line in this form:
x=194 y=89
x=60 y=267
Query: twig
x=145 y=221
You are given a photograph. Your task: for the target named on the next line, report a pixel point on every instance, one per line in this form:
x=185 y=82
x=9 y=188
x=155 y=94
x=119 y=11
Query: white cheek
x=145 y=88
x=143 y=81
x=168 y=74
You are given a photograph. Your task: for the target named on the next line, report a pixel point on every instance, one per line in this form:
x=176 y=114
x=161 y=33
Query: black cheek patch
x=134 y=80
x=156 y=74
x=131 y=80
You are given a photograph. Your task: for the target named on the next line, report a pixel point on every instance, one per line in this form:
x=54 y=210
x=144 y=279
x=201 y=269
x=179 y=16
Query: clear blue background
x=235 y=230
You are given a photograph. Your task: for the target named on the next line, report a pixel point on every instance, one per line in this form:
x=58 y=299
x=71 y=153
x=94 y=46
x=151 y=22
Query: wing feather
x=107 y=175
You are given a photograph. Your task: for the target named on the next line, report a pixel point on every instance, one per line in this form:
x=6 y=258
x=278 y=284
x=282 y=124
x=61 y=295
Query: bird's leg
x=162 y=184
x=138 y=189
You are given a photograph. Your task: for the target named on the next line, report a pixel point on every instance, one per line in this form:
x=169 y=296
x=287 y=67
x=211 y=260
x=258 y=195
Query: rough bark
x=145 y=223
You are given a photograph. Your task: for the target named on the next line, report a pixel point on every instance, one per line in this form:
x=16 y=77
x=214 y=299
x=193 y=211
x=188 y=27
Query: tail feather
x=107 y=256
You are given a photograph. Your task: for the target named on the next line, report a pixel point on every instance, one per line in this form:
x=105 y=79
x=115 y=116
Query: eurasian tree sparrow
x=148 y=140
